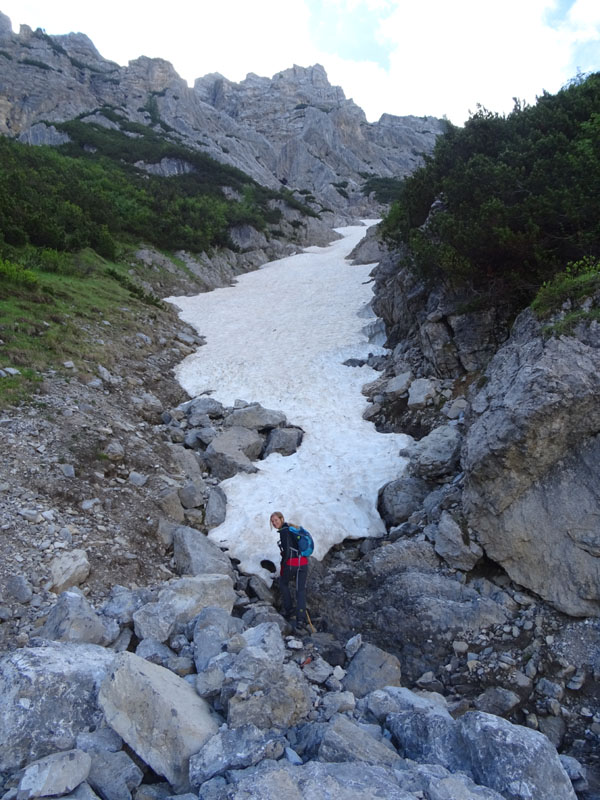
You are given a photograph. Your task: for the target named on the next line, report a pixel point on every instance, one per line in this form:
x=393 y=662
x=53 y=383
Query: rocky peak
x=5 y=27
x=78 y=45
x=294 y=128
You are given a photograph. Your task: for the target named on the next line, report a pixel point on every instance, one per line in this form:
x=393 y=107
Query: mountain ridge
x=322 y=139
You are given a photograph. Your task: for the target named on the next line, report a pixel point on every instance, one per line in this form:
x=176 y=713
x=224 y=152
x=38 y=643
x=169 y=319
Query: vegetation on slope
x=515 y=198
x=89 y=194
x=70 y=219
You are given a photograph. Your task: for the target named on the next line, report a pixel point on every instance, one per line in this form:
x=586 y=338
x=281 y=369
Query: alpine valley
x=455 y=654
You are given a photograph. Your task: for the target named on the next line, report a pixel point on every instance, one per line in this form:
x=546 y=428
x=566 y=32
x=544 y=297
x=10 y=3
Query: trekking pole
x=312 y=627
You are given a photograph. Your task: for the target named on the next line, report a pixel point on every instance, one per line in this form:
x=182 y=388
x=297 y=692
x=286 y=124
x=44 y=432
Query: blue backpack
x=304 y=543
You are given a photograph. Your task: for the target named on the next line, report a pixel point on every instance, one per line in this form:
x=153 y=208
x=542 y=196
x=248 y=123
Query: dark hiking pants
x=294 y=577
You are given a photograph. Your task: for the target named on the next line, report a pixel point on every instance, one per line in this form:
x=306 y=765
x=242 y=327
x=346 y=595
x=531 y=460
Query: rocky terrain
x=119 y=615
x=294 y=129
x=455 y=657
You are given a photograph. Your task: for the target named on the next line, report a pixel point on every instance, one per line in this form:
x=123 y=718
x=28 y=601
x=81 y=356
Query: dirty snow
x=279 y=337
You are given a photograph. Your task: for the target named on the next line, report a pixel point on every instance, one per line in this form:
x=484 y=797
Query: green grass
x=579 y=280
x=61 y=317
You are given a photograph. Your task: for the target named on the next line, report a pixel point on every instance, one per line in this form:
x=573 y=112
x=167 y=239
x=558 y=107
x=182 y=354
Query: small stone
x=137 y=479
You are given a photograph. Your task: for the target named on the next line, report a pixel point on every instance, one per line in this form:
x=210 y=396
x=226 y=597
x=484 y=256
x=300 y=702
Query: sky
x=421 y=57
x=252 y=353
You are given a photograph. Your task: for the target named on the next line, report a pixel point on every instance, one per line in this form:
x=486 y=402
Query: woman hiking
x=293 y=567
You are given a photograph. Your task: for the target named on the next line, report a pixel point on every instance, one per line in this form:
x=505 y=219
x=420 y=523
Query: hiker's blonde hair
x=278 y=515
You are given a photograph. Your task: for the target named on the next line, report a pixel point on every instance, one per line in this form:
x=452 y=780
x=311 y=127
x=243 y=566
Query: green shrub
x=17 y=275
x=579 y=280
x=518 y=196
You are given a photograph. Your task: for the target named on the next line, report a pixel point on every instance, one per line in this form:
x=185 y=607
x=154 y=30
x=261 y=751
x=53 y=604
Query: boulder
x=216 y=507
x=48 y=696
x=122 y=603
x=401 y=555
x=68 y=569
x=195 y=554
x=421 y=393
x=371 y=668
x=158 y=714
x=265 y=694
x=232 y=451
x=345 y=740
x=453 y=543
x=57 y=774
x=256 y=417
x=72 y=619
x=114 y=775
x=284 y=441
x=436 y=454
x=179 y=602
x=400 y=498
x=517 y=762
x=213 y=627
x=192 y=494
x=234 y=749
x=204 y=405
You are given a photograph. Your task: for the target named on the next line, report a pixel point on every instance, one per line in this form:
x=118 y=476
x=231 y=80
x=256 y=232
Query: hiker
x=294 y=567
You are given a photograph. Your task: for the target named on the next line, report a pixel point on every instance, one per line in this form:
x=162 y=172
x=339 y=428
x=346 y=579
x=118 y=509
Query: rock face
x=294 y=129
x=314 y=130
x=532 y=490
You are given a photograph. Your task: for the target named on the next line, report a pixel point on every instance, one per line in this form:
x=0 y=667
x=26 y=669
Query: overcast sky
x=438 y=57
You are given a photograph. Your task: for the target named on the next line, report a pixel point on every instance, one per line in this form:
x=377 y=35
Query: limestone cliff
x=294 y=129
x=528 y=410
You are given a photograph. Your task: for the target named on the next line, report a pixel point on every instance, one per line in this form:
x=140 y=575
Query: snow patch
x=279 y=337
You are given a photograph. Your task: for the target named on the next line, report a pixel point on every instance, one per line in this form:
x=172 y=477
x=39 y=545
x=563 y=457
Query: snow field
x=279 y=337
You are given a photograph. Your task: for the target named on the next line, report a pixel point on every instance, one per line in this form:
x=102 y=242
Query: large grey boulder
x=159 y=715
x=234 y=749
x=453 y=543
x=371 y=668
x=213 y=627
x=532 y=486
x=122 y=603
x=345 y=740
x=48 y=696
x=517 y=762
x=195 y=554
x=203 y=405
x=256 y=417
x=216 y=507
x=57 y=774
x=179 y=602
x=429 y=736
x=259 y=688
x=72 y=619
x=318 y=779
x=393 y=699
x=401 y=555
x=232 y=451
x=436 y=454
x=114 y=775
x=284 y=441
x=400 y=498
